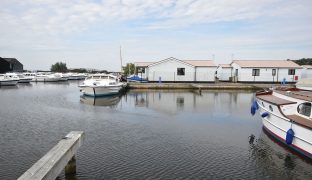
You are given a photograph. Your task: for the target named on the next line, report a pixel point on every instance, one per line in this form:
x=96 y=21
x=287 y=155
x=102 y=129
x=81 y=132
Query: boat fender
x=253 y=108
x=290 y=136
x=256 y=104
x=265 y=114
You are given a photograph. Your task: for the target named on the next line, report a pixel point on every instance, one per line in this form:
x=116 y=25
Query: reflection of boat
x=100 y=101
x=101 y=85
x=305 y=84
x=286 y=115
x=7 y=80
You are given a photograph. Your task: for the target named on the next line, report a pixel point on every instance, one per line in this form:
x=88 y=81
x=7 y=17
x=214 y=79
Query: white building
x=265 y=71
x=224 y=72
x=306 y=71
x=175 y=70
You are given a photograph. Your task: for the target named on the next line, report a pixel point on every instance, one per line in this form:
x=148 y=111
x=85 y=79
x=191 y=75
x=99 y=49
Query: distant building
x=141 y=68
x=175 y=70
x=265 y=71
x=306 y=71
x=10 y=65
x=224 y=72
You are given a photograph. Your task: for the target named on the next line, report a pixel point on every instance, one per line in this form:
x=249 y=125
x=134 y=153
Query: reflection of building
x=175 y=70
x=208 y=102
x=10 y=65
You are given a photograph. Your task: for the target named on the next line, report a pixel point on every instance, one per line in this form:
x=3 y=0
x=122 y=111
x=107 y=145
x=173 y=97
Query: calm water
x=143 y=134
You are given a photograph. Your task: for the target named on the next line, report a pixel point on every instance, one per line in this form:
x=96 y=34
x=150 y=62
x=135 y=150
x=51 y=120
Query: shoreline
x=203 y=86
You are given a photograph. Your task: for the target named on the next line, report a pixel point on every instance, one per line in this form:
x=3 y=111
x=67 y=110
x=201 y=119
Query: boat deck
x=301 y=120
x=303 y=95
x=275 y=100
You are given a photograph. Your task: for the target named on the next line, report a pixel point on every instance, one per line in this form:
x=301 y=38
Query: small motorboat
x=22 y=78
x=101 y=85
x=286 y=115
x=7 y=80
x=136 y=78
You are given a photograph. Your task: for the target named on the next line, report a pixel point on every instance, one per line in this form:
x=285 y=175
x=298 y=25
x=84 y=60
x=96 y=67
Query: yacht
x=62 y=76
x=22 y=78
x=101 y=85
x=30 y=75
x=46 y=78
x=286 y=115
x=7 y=80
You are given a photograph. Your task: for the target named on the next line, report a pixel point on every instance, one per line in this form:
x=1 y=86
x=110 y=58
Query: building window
x=181 y=71
x=255 y=72
x=304 y=109
x=273 y=72
x=291 y=71
x=141 y=70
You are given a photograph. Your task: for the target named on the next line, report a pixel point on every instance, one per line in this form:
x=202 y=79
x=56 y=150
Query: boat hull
x=8 y=82
x=97 y=91
x=24 y=80
x=277 y=126
x=46 y=79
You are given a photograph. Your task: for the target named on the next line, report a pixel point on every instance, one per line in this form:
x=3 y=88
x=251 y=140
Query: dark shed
x=10 y=65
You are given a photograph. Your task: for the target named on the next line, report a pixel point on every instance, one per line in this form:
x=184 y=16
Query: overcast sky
x=88 y=33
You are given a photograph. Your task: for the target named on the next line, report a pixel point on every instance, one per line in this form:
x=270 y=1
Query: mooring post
x=70 y=168
x=60 y=156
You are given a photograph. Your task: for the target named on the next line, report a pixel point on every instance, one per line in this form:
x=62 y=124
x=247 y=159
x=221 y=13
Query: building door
x=273 y=73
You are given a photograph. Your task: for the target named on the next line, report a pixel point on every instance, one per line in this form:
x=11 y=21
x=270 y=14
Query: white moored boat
x=46 y=78
x=286 y=115
x=6 y=80
x=22 y=78
x=101 y=85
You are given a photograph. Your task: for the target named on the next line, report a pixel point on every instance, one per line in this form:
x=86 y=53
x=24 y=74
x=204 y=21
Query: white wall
x=306 y=73
x=167 y=70
x=224 y=74
x=205 y=73
x=245 y=75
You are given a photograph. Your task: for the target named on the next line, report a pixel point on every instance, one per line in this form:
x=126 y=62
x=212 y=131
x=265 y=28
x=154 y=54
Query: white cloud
x=48 y=26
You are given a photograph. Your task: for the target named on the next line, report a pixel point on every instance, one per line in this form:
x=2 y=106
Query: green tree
x=304 y=61
x=59 y=67
x=128 y=69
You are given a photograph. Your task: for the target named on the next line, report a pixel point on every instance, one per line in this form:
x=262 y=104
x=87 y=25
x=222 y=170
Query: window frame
x=180 y=71
x=255 y=72
x=306 y=115
x=291 y=71
x=273 y=72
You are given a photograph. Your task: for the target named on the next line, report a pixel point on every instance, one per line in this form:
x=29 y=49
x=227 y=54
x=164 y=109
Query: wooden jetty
x=61 y=155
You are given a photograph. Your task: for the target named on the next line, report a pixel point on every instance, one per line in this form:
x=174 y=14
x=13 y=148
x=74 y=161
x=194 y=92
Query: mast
x=120 y=61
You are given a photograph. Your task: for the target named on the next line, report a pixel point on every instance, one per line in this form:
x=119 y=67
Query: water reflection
x=110 y=101
x=177 y=101
x=272 y=156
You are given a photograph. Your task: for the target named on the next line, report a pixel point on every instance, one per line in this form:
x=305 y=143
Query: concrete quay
x=203 y=86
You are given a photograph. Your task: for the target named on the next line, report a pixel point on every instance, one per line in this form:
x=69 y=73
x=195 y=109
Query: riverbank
x=202 y=86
